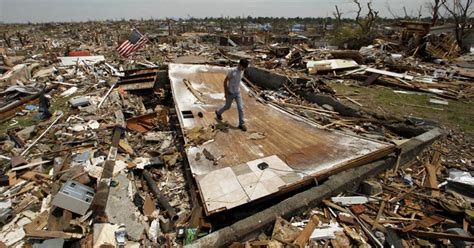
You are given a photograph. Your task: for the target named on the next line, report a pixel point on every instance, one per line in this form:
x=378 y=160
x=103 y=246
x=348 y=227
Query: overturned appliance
x=74 y=197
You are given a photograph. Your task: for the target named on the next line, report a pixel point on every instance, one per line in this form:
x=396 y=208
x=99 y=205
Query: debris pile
x=92 y=154
x=98 y=163
x=425 y=203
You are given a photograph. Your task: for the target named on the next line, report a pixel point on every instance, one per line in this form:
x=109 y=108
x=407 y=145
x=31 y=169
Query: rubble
x=121 y=195
x=129 y=132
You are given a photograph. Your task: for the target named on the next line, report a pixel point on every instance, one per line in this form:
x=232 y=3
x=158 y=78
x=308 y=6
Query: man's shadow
x=224 y=126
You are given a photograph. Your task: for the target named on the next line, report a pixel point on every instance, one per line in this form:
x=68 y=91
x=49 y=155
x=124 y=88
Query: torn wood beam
x=103 y=188
x=303 y=238
x=42 y=234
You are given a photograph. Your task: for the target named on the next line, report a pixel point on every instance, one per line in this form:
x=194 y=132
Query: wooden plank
x=42 y=234
x=335 y=206
x=432 y=179
x=379 y=214
x=303 y=238
x=369 y=220
x=38 y=223
x=126 y=147
x=12 y=178
x=371 y=79
x=102 y=194
x=402 y=195
x=390 y=74
x=59 y=219
x=34 y=176
x=137 y=86
x=426 y=222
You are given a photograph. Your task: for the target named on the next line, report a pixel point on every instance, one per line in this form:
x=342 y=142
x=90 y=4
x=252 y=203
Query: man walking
x=232 y=92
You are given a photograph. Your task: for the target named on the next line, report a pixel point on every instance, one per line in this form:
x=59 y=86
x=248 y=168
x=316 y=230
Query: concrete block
x=79 y=101
x=121 y=210
x=51 y=243
x=370 y=187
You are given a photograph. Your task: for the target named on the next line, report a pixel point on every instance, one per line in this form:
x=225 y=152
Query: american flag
x=134 y=42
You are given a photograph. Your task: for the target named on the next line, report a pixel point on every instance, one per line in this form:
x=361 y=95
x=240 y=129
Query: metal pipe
x=41 y=136
x=160 y=197
x=106 y=95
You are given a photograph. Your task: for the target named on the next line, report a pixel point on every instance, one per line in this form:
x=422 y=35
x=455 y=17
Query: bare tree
x=434 y=6
x=221 y=23
x=170 y=31
x=420 y=14
x=338 y=15
x=461 y=12
x=406 y=13
x=367 y=23
x=371 y=16
x=7 y=40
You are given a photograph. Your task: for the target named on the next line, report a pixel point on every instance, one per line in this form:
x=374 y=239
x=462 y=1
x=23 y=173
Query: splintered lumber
x=390 y=74
x=59 y=222
x=431 y=169
x=379 y=214
x=159 y=196
x=369 y=220
x=427 y=221
x=432 y=181
x=366 y=229
x=438 y=235
x=30 y=165
x=34 y=229
x=303 y=238
x=254 y=87
x=42 y=234
x=335 y=206
x=305 y=107
x=25 y=100
x=353 y=101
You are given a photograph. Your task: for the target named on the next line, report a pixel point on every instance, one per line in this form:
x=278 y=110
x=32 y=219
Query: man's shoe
x=243 y=128
x=218 y=116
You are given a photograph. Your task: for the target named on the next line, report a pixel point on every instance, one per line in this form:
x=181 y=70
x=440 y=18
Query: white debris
x=350 y=200
x=69 y=92
x=326 y=231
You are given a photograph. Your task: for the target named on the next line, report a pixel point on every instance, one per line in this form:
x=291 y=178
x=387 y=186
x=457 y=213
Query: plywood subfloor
x=293 y=149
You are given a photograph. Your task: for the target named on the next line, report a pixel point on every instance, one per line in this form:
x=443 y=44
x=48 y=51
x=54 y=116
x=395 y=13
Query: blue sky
x=81 y=10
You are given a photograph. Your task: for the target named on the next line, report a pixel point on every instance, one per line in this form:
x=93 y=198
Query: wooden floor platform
x=278 y=152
